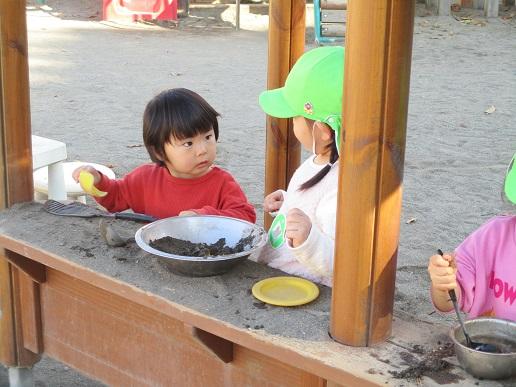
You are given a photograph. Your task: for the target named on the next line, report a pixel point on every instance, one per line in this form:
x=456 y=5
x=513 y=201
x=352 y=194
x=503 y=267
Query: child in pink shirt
x=483 y=268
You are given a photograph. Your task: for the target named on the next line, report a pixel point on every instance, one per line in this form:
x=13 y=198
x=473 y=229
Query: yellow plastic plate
x=86 y=182
x=285 y=291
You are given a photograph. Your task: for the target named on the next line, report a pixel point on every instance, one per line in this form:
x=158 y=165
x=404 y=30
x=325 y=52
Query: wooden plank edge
x=253 y=340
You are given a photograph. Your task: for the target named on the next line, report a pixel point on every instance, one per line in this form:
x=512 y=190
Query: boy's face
x=191 y=157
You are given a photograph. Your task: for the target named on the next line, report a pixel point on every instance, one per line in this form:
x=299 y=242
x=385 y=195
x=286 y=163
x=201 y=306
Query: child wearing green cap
x=302 y=236
x=482 y=270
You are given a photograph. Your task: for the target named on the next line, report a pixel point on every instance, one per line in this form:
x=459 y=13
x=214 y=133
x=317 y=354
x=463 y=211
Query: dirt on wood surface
x=431 y=364
x=177 y=246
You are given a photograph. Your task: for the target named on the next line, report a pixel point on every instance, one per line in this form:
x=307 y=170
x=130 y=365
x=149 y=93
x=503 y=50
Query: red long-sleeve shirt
x=150 y=189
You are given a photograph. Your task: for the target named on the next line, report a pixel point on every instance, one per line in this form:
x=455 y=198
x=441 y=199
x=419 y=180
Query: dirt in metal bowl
x=498 y=332
x=202 y=230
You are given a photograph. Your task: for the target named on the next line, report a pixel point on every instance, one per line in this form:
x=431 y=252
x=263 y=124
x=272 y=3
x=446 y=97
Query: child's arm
x=119 y=194
x=312 y=242
x=114 y=201
x=316 y=250
x=442 y=272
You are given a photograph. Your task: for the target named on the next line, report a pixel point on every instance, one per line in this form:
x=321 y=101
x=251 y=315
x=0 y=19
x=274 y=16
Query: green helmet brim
x=274 y=104
x=509 y=187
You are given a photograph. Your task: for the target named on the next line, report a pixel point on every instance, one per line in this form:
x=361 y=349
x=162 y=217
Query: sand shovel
x=84 y=211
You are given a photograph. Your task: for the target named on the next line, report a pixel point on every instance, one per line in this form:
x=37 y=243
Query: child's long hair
x=334 y=156
x=178 y=113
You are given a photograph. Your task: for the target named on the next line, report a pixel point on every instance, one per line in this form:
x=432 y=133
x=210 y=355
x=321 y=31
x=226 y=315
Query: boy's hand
x=298 y=227
x=273 y=201
x=87 y=168
x=442 y=271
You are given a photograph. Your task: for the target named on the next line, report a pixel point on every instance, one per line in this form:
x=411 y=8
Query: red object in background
x=132 y=10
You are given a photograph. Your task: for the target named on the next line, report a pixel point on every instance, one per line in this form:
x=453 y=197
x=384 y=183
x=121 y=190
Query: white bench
x=73 y=189
x=50 y=153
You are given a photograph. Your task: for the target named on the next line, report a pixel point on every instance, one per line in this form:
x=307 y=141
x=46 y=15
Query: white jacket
x=314 y=258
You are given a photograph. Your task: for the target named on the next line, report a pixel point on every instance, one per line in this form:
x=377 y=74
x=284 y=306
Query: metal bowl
x=501 y=333
x=201 y=229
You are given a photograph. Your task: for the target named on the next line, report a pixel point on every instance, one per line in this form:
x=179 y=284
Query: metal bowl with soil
x=497 y=332
x=201 y=245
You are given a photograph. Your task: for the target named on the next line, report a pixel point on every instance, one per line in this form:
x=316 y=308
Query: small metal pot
x=201 y=229
x=501 y=333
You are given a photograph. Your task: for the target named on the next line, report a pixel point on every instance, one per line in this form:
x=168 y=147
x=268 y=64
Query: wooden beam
x=15 y=165
x=221 y=348
x=376 y=88
x=35 y=270
x=7 y=332
x=286 y=45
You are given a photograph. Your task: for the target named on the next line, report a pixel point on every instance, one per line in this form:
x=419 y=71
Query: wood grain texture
x=123 y=343
x=15 y=164
x=317 y=354
x=34 y=270
x=25 y=318
x=7 y=332
x=30 y=313
x=221 y=348
x=286 y=45
x=376 y=86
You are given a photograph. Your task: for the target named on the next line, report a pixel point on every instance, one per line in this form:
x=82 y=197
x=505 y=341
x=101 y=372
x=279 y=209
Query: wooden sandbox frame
x=376 y=88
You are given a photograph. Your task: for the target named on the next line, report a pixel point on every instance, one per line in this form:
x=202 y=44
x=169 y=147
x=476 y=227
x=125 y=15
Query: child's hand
x=273 y=201
x=187 y=213
x=87 y=168
x=298 y=227
x=442 y=272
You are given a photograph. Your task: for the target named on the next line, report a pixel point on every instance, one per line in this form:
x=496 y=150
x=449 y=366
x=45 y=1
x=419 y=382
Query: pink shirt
x=486 y=269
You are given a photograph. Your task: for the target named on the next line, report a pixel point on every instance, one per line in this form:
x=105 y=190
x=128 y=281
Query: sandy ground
x=90 y=81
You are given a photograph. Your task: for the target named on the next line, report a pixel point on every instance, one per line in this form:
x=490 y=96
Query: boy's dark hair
x=334 y=156
x=180 y=113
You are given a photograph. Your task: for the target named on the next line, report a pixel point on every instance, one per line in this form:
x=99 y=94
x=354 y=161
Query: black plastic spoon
x=482 y=347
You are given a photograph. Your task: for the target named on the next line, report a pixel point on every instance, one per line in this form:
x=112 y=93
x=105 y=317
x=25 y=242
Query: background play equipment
x=47 y=161
x=132 y=10
x=330 y=20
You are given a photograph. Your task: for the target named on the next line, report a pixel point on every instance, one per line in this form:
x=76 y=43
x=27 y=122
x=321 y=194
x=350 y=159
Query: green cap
x=509 y=186
x=313 y=89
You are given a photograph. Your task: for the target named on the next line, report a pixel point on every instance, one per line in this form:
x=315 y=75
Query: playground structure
x=46 y=286
x=490 y=7
x=139 y=10
x=329 y=20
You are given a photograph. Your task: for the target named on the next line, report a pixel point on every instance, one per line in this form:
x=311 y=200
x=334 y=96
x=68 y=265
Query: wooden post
x=286 y=45
x=376 y=89
x=15 y=166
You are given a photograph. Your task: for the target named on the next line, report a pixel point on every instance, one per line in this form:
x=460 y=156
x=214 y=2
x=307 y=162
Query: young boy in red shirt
x=180 y=132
